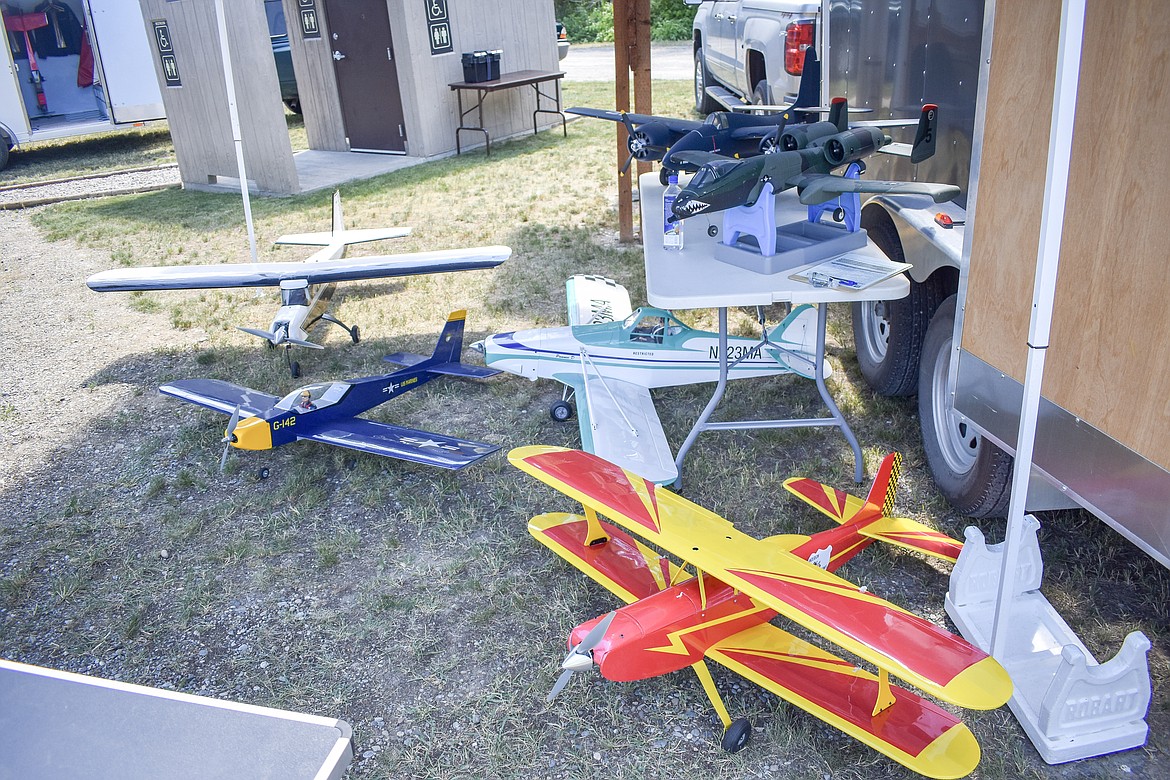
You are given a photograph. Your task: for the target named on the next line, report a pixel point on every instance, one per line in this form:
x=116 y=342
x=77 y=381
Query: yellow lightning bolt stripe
x=829 y=663
x=676 y=647
x=841 y=588
x=642 y=489
x=831 y=498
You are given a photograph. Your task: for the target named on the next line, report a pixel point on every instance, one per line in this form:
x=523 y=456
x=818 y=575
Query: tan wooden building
x=372 y=75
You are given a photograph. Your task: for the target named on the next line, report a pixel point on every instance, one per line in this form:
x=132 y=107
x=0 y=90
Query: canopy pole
x=234 y=115
x=1068 y=65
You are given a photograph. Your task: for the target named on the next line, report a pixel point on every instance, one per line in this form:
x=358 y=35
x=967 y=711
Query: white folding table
x=693 y=279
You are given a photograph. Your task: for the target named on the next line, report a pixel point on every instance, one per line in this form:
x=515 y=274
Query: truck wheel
x=973 y=474
x=888 y=334
x=704 y=104
x=762 y=94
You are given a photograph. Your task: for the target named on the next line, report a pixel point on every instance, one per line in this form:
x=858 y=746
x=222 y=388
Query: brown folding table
x=520 y=78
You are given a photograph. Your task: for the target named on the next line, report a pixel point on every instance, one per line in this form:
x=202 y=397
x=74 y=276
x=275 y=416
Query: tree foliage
x=592 y=20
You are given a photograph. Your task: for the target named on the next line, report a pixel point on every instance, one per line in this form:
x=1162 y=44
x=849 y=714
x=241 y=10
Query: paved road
x=594 y=61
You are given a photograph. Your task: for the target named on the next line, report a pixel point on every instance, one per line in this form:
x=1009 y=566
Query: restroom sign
x=439 y=27
x=166 y=53
x=310 y=22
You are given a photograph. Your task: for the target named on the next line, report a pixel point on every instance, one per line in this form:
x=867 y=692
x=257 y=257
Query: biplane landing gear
x=736 y=736
x=354 y=333
x=560 y=411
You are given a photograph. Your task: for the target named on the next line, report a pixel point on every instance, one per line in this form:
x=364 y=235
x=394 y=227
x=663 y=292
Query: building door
x=367 y=76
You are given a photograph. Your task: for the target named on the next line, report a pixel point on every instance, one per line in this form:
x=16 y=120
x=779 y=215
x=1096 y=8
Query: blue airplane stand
x=849 y=203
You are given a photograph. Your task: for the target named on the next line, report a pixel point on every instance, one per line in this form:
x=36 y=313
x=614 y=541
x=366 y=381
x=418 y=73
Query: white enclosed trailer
x=74 y=67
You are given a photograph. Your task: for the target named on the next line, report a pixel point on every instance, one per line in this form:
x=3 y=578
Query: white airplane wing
x=194 y=277
x=618 y=422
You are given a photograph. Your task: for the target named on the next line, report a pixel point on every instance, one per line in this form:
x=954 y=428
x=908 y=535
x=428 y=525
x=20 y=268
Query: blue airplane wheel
x=838 y=214
x=560 y=411
x=736 y=736
x=262 y=474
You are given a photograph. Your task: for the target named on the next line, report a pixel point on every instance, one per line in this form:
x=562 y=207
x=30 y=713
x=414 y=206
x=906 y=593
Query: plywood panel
x=1011 y=176
x=1106 y=364
x=1108 y=360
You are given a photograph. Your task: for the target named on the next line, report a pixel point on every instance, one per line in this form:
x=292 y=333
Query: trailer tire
x=973 y=474
x=5 y=145
x=887 y=335
x=704 y=103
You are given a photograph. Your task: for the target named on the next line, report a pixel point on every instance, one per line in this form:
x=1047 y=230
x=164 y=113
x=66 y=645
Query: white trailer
x=74 y=67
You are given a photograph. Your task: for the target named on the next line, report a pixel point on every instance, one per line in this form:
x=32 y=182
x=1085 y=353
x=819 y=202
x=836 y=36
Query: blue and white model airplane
x=611 y=357
x=306 y=288
x=327 y=412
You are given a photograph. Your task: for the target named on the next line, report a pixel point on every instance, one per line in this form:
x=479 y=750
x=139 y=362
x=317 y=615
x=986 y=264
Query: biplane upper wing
x=220 y=396
x=195 y=277
x=619 y=423
x=911 y=647
x=394 y=441
x=913 y=731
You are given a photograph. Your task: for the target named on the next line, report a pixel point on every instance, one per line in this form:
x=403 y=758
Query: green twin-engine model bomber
x=804 y=157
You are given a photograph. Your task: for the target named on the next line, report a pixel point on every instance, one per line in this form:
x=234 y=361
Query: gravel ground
x=123 y=182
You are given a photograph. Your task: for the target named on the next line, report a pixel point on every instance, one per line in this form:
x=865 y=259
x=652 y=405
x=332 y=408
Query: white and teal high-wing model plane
x=610 y=357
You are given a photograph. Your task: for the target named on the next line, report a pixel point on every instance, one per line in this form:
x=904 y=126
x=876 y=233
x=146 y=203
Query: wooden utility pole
x=631 y=49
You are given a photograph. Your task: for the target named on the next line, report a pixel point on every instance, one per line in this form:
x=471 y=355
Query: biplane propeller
x=722 y=608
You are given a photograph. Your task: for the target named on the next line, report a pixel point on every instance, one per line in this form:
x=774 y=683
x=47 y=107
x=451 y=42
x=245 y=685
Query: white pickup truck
x=750 y=51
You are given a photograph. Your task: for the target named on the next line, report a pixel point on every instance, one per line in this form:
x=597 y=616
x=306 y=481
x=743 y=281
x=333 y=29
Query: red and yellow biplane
x=674 y=618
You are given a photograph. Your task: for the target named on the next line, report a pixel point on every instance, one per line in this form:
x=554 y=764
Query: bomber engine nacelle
x=853 y=145
x=797 y=137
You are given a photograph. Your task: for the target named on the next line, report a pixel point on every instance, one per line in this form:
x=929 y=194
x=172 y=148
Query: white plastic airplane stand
x=1070 y=706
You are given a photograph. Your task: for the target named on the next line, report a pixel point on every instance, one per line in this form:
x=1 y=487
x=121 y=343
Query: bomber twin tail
x=327 y=412
x=674 y=619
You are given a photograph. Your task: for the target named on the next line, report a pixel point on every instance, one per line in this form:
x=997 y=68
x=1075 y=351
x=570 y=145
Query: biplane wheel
x=294 y=368
x=263 y=473
x=736 y=736
x=560 y=411
x=355 y=334
x=838 y=214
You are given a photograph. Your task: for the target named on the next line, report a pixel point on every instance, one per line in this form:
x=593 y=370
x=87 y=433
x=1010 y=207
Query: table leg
x=836 y=420
x=720 y=388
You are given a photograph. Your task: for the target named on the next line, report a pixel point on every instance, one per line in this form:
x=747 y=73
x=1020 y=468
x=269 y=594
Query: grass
x=409 y=601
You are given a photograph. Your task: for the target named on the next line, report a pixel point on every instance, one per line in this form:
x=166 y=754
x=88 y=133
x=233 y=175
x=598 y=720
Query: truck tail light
x=797 y=37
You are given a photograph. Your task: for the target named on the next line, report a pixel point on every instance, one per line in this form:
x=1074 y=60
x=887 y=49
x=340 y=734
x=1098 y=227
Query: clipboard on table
x=849 y=272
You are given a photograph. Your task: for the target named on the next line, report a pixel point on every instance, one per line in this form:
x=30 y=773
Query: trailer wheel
x=888 y=334
x=704 y=103
x=5 y=145
x=973 y=474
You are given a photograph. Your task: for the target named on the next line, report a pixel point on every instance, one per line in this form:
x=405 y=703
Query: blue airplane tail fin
x=446 y=357
x=809 y=92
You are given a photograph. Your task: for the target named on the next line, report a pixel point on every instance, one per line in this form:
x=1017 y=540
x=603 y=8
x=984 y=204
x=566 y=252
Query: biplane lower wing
x=912 y=731
x=851 y=617
x=220 y=396
x=619 y=423
x=394 y=441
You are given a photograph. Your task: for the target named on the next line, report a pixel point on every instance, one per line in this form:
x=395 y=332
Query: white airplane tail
x=794 y=342
x=595 y=299
x=337 y=238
